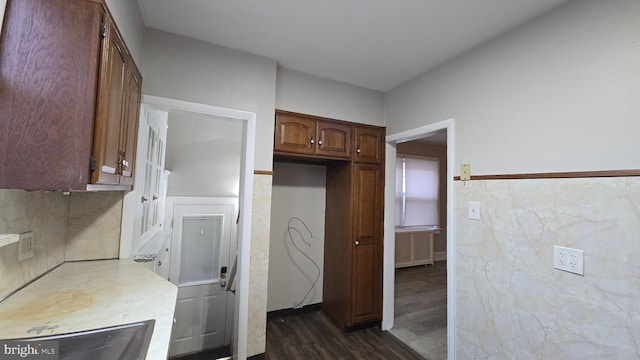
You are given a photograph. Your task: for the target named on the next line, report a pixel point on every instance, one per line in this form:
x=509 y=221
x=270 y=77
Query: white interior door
x=203 y=238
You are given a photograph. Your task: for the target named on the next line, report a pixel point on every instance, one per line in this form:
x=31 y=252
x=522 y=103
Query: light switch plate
x=465 y=172
x=474 y=210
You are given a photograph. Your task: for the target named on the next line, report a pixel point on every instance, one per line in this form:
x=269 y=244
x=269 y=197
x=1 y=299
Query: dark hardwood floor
x=421 y=309
x=311 y=335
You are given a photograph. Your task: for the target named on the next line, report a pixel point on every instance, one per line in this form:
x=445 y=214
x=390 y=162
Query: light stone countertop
x=92 y=294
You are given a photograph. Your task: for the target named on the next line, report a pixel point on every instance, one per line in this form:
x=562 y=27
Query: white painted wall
x=557 y=94
x=128 y=18
x=298 y=190
x=308 y=94
x=203 y=155
x=180 y=68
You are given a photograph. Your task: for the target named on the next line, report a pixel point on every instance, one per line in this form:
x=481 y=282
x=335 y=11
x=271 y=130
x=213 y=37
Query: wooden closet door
x=366 y=277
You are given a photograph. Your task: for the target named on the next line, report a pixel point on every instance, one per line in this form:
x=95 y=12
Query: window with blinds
x=416 y=191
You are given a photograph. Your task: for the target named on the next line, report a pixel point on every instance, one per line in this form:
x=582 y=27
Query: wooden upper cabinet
x=117 y=112
x=62 y=97
x=297 y=134
x=109 y=119
x=129 y=134
x=369 y=144
x=334 y=139
x=307 y=136
x=48 y=93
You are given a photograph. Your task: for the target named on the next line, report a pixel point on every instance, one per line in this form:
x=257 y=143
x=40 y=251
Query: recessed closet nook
x=327 y=218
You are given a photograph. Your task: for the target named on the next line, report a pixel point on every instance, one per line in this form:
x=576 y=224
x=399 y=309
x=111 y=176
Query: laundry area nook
x=327 y=212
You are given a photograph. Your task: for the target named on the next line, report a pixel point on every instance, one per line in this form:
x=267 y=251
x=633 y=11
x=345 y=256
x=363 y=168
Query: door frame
x=389 y=224
x=247 y=167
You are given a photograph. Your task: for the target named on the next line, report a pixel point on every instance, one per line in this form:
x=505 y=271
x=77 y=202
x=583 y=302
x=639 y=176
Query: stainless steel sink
x=125 y=342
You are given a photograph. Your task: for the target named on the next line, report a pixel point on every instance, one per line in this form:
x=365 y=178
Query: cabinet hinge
x=103 y=30
x=93 y=164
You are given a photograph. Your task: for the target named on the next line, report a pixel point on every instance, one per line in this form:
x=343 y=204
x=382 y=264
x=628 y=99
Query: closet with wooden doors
x=352 y=285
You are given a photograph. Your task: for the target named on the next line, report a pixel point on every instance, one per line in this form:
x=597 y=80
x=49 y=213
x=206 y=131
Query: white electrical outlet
x=25 y=246
x=568 y=259
x=474 y=210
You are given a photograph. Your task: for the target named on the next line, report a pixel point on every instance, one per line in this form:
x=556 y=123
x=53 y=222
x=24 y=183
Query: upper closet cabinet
x=298 y=134
x=66 y=98
x=369 y=144
x=117 y=113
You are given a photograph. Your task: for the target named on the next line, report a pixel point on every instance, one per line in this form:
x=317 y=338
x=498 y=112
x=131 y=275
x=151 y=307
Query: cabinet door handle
x=155 y=197
x=159 y=263
x=312 y=141
x=358 y=150
x=357 y=242
x=143 y=200
x=320 y=142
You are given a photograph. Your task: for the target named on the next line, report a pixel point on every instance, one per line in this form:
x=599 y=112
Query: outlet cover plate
x=25 y=246
x=568 y=259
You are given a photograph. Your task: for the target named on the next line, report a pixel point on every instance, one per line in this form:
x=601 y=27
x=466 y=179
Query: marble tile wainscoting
x=259 y=267
x=511 y=303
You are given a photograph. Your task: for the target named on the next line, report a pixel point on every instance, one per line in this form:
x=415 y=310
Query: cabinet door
x=369 y=145
x=334 y=139
x=106 y=150
x=48 y=65
x=295 y=134
x=366 y=286
x=129 y=132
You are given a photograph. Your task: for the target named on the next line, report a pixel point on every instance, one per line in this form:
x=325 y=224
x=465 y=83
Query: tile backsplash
x=94 y=226
x=79 y=226
x=44 y=213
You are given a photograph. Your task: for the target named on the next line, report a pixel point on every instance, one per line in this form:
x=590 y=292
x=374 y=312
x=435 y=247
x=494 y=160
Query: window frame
x=401 y=159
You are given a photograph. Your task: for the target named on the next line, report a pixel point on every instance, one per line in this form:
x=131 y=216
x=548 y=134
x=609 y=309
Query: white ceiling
x=376 y=44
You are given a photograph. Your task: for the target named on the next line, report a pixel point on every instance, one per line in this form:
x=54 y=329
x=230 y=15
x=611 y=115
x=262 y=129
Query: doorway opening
x=244 y=188
x=435 y=314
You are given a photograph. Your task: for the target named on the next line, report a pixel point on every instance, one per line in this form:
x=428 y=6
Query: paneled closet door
x=366 y=279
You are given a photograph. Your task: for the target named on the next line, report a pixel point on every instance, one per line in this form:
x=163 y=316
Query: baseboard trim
x=262 y=356
x=276 y=314
x=440 y=256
